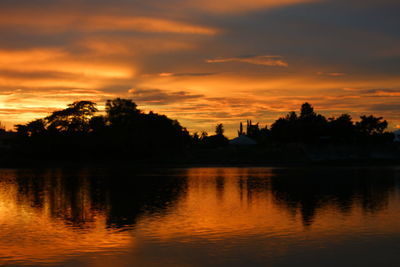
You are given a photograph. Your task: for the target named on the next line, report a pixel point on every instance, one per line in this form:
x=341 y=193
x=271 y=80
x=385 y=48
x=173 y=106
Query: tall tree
x=2 y=127
x=75 y=118
x=240 y=131
x=342 y=128
x=219 y=129
x=32 y=128
x=306 y=111
x=121 y=112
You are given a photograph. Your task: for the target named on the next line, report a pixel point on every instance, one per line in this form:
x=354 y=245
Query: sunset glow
x=201 y=62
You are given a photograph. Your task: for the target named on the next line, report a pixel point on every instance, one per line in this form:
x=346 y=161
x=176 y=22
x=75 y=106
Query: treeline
x=310 y=127
x=124 y=131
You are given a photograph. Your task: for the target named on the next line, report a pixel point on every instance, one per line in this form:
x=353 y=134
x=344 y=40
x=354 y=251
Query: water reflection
x=232 y=215
x=307 y=191
x=50 y=215
x=78 y=197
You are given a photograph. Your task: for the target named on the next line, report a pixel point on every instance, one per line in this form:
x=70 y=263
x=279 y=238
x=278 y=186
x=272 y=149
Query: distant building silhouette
x=396 y=136
x=242 y=140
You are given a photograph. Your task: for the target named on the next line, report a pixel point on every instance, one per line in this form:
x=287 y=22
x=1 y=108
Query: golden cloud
x=60 y=61
x=145 y=24
x=60 y=22
x=103 y=45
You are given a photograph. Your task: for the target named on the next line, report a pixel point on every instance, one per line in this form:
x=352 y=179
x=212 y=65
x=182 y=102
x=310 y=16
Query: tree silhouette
x=121 y=112
x=203 y=135
x=214 y=141
x=97 y=123
x=75 y=118
x=126 y=132
x=252 y=129
x=307 y=111
x=33 y=128
x=240 y=131
x=342 y=128
x=371 y=125
x=219 y=129
x=284 y=129
x=309 y=127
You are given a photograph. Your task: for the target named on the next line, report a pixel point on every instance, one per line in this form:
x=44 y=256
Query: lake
x=297 y=216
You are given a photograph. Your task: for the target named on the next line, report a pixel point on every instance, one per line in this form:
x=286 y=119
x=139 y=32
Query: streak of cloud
x=161 y=97
x=332 y=74
x=56 y=23
x=237 y=6
x=186 y=74
x=256 y=60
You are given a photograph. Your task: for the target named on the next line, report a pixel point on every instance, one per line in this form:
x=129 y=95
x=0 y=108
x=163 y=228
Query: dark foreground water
x=201 y=217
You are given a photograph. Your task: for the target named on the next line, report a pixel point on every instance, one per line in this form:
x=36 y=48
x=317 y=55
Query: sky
x=202 y=62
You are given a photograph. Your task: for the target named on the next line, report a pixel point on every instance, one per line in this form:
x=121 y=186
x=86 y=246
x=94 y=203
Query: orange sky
x=201 y=62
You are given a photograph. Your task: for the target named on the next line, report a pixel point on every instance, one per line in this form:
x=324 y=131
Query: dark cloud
x=161 y=97
x=332 y=74
x=381 y=90
x=377 y=92
x=264 y=60
x=392 y=107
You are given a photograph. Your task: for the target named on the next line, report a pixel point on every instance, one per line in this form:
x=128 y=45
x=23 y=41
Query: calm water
x=201 y=217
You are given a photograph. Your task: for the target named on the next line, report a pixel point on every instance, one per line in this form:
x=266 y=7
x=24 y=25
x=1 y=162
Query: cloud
x=46 y=59
x=387 y=107
x=256 y=60
x=139 y=6
x=103 y=45
x=381 y=92
x=55 y=67
x=161 y=97
x=235 y=6
x=187 y=74
x=351 y=89
x=62 y=22
x=332 y=74
x=377 y=92
x=144 y=24
x=34 y=75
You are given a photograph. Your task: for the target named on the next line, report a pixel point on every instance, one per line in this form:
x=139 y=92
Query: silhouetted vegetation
x=123 y=131
x=213 y=141
x=310 y=127
x=2 y=127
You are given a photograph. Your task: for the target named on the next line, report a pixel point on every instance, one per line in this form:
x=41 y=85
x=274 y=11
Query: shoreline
x=123 y=164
